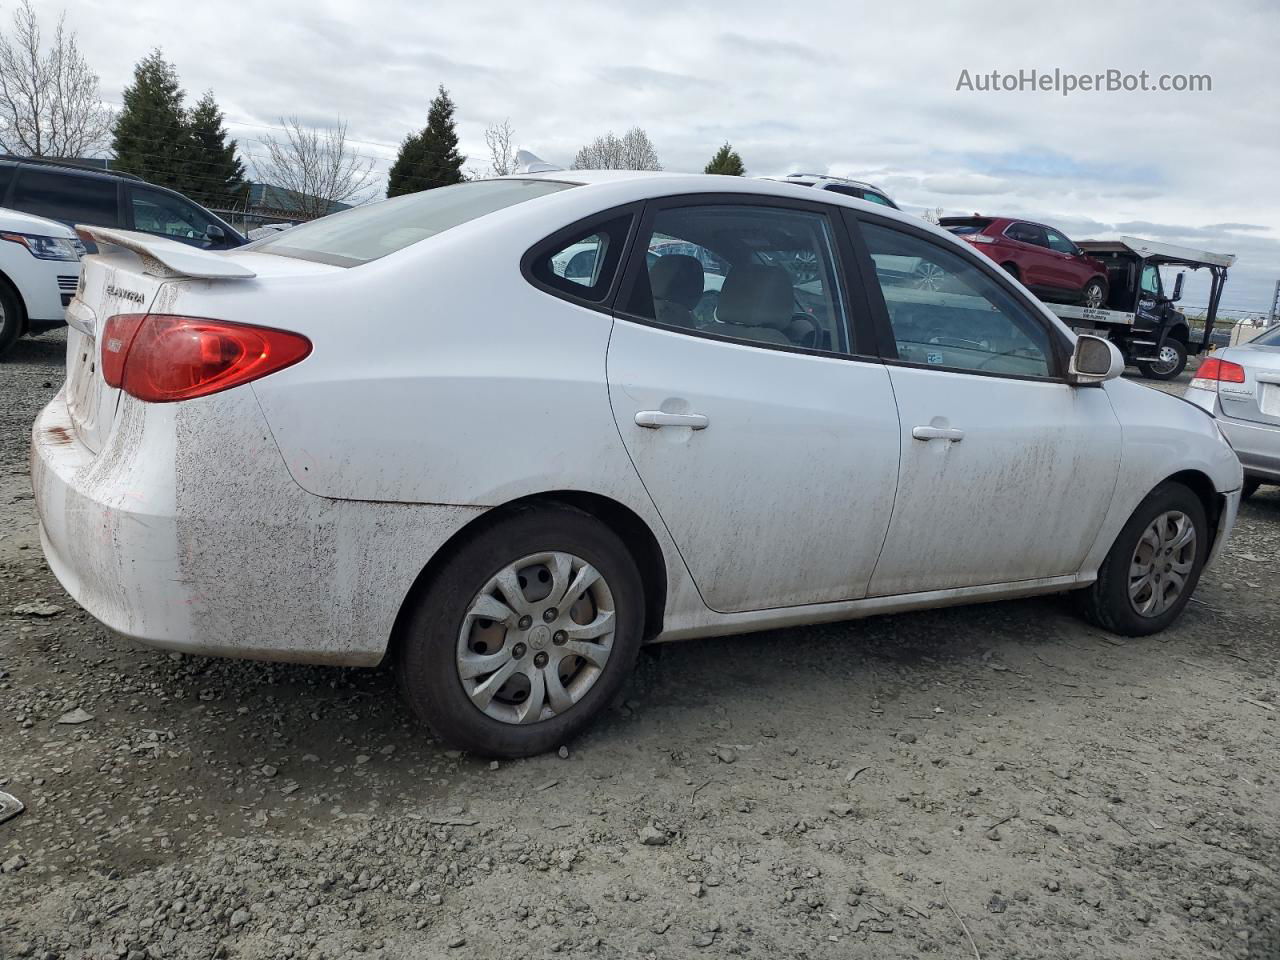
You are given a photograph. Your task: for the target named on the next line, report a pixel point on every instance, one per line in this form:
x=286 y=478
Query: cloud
x=860 y=89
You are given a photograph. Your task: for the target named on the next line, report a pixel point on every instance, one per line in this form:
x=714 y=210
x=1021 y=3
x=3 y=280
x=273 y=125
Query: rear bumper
x=186 y=532
x=1256 y=444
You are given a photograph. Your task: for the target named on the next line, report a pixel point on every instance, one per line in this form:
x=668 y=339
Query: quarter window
x=582 y=264
x=948 y=313
x=763 y=275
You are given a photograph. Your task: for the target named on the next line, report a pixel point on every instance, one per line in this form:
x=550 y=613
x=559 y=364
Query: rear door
x=1032 y=254
x=765 y=435
x=1006 y=470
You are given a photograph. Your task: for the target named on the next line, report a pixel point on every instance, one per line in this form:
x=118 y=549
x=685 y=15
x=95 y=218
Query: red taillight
x=117 y=336
x=161 y=358
x=1215 y=370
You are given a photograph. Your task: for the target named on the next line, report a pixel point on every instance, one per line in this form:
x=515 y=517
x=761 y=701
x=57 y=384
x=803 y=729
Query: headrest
x=677 y=277
x=756 y=295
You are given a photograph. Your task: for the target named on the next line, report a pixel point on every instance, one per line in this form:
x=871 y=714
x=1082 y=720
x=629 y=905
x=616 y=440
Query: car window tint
x=877 y=198
x=66 y=196
x=763 y=275
x=583 y=264
x=947 y=312
x=1269 y=339
x=169 y=216
x=1024 y=233
x=375 y=230
x=1059 y=243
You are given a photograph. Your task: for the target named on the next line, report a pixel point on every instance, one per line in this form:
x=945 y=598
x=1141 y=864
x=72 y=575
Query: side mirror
x=1177 y=288
x=1095 y=360
x=215 y=233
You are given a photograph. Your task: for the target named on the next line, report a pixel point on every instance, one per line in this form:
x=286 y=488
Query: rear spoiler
x=168 y=258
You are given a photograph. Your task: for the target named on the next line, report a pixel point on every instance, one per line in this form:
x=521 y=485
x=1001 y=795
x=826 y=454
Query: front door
x=768 y=446
x=1006 y=470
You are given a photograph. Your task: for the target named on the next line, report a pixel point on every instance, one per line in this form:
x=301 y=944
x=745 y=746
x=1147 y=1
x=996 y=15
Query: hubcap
x=1093 y=296
x=1162 y=563
x=553 y=605
x=1168 y=359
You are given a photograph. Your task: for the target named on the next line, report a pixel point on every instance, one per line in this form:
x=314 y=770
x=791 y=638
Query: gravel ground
x=989 y=781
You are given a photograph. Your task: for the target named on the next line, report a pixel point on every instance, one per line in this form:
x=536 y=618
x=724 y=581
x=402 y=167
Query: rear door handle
x=653 y=419
x=937 y=433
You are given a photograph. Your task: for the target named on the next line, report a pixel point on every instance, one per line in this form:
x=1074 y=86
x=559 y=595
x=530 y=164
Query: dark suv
x=1048 y=263
x=74 y=194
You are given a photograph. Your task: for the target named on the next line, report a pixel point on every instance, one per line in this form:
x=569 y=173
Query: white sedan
x=407 y=430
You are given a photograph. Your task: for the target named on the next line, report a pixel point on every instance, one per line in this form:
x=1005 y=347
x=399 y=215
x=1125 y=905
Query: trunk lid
x=131 y=273
x=1258 y=398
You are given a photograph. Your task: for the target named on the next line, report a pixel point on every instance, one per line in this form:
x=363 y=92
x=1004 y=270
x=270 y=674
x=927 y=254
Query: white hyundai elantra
x=412 y=429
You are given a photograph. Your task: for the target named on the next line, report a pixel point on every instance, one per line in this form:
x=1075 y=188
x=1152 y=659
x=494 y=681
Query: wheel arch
x=12 y=288
x=624 y=522
x=1181 y=332
x=1202 y=486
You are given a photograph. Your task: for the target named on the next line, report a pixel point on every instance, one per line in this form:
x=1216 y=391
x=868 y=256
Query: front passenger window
x=964 y=320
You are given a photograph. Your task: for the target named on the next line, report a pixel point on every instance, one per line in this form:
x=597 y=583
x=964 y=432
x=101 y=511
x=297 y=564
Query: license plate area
x=1269 y=399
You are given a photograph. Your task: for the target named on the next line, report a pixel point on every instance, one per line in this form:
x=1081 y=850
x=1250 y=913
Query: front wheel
x=10 y=320
x=1154 y=565
x=525 y=634
x=1172 y=360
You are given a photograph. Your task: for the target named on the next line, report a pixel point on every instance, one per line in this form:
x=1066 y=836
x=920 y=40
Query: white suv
x=39 y=271
x=842 y=185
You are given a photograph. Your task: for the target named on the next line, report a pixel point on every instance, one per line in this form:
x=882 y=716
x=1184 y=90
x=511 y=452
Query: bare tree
x=632 y=151
x=317 y=166
x=49 y=104
x=500 y=138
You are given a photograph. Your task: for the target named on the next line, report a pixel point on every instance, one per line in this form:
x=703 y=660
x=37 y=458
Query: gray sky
x=865 y=90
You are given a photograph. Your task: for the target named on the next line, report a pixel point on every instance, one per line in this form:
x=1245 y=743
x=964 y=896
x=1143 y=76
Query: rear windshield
x=1269 y=339
x=962 y=225
x=366 y=233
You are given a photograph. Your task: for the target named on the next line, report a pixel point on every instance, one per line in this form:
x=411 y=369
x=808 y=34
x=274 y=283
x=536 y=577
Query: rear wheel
x=1095 y=293
x=1154 y=565
x=527 y=631
x=1171 y=361
x=10 y=319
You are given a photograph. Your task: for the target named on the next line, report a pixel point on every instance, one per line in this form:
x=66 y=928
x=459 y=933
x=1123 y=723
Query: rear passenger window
x=763 y=275
x=583 y=264
x=68 y=197
x=947 y=312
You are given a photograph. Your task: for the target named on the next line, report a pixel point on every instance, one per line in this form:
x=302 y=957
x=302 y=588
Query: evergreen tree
x=216 y=173
x=150 y=137
x=429 y=158
x=726 y=162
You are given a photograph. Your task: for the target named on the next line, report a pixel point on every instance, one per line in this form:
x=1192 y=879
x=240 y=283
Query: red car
x=1042 y=258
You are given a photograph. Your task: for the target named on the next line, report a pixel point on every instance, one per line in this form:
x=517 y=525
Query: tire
x=1167 y=371
x=1251 y=485
x=1107 y=602
x=10 y=319
x=431 y=651
x=1094 y=293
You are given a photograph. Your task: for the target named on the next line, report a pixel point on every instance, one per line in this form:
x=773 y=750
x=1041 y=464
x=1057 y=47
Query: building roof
x=266 y=196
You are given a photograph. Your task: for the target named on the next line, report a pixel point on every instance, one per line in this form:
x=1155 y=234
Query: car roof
x=829 y=178
x=70 y=166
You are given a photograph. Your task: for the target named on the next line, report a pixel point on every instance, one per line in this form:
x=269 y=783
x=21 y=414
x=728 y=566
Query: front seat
x=757 y=303
x=676 y=281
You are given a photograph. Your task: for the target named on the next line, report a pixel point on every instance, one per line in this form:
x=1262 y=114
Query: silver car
x=1240 y=386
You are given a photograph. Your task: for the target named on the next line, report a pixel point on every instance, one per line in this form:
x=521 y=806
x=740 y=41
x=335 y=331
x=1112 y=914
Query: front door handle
x=653 y=419
x=937 y=433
